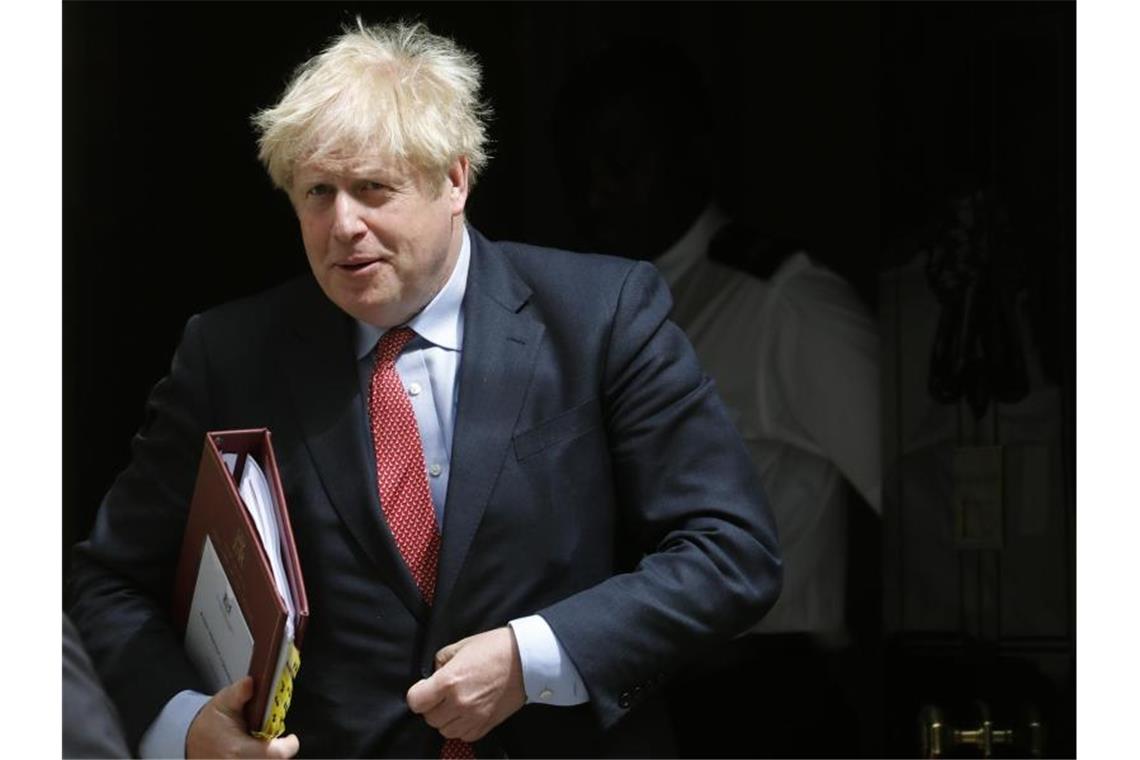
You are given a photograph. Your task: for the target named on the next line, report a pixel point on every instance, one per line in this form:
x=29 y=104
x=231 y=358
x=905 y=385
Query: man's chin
x=382 y=309
x=385 y=315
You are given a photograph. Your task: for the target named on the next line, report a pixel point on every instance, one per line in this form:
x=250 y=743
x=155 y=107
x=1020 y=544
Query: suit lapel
x=321 y=367
x=500 y=344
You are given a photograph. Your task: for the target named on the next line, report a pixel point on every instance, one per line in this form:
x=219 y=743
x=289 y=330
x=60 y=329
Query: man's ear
x=457 y=184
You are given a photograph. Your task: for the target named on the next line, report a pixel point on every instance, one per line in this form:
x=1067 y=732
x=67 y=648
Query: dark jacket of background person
x=91 y=725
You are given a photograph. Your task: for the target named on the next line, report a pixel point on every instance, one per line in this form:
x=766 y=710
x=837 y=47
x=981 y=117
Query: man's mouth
x=356 y=265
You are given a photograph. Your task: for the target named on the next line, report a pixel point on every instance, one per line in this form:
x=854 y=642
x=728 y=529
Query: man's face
x=380 y=240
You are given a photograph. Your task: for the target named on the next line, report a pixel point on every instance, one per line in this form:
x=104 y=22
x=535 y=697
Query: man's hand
x=477 y=685
x=219 y=729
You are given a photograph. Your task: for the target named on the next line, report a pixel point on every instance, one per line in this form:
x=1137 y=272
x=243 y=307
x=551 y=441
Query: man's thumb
x=443 y=656
x=233 y=697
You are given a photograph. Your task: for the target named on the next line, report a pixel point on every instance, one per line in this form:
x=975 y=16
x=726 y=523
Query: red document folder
x=217 y=513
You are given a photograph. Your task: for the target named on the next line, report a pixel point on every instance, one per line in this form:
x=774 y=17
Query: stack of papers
x=259 y=502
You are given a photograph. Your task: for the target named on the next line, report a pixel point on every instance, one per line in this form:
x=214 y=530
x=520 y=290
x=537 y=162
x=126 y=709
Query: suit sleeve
x=688 y=494
x=121 y=576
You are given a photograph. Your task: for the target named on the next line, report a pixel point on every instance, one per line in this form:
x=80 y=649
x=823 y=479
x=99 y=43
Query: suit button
x=624 y=701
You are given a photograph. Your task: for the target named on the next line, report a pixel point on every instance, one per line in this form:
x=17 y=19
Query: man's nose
x=348 y=220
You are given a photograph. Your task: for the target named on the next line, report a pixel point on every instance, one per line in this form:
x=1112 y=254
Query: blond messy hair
x=395 y=91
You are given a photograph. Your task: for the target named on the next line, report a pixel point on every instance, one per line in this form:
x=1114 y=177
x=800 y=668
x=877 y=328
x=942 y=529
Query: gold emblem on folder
x=238 y=547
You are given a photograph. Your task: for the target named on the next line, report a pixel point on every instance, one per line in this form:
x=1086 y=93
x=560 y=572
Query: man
x=90 y=722
x=794 y=354
x=518 y=502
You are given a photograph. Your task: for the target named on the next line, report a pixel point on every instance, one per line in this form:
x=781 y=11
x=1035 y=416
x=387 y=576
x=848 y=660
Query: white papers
x=218 y=639
x=259 y=502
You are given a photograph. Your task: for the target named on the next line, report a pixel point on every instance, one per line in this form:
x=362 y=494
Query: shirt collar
x=692 y=246
x=441 y=321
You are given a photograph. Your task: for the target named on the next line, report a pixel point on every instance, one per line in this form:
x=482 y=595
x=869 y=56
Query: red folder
x=217 y=511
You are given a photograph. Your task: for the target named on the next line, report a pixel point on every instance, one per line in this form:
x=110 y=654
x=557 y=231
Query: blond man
x=582 y=514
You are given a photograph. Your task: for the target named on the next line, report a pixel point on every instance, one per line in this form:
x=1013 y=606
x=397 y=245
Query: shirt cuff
x=166 y=736
x=549 y=676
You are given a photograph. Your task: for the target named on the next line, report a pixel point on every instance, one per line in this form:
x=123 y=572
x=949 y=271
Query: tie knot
x=392 y=343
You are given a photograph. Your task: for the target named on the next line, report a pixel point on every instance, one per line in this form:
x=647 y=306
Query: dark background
x=167 y=211
x=845 y=126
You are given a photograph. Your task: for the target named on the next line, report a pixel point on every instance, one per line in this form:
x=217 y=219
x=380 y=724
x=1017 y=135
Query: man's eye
x=374 y=186
x=318 y=190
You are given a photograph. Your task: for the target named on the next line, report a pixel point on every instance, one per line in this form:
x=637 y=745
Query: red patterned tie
x=402 y=478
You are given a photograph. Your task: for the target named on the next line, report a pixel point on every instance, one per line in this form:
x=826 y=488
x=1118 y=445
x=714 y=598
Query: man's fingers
x=424 y=695
x=286 y=746
x=443 y=656
x=233 y=697
x=219 y=729
x=476 y=686
x=475 y=734
x=248 y=746
x=441 y=715
x=462 y=727
x=452 y=728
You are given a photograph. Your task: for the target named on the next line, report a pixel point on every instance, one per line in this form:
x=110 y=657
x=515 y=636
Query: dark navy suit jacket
x=596 y=480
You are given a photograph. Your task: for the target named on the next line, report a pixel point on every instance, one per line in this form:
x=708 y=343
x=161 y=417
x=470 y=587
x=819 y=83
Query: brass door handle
x=933 y=739
x=938 y=736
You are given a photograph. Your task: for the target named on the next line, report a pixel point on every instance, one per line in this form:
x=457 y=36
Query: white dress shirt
x=429 y=369
x=796 y=360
